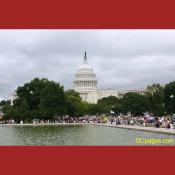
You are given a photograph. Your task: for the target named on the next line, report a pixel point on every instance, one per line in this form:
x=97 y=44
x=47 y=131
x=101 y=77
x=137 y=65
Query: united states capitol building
x=85 y=83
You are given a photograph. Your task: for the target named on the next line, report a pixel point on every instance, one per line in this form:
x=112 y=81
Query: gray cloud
x=122 y=59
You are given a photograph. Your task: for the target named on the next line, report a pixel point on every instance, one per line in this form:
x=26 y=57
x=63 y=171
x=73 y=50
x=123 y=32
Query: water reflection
x=73 y=135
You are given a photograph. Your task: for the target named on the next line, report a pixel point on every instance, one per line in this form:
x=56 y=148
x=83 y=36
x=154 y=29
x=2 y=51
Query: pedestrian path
x=141 y=128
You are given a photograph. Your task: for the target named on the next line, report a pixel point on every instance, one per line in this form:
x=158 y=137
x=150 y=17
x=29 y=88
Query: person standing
x=157 y=123
x=168 y=124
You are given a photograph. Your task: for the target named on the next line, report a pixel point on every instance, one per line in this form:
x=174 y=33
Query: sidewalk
x=141 y=128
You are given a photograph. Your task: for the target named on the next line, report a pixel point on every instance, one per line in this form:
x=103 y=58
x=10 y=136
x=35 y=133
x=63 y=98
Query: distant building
x=85 y=83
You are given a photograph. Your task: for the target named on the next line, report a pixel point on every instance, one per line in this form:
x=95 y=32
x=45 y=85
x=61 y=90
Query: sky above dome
x=121 y=59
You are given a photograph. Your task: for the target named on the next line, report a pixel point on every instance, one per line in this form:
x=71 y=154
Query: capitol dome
x=85 y=77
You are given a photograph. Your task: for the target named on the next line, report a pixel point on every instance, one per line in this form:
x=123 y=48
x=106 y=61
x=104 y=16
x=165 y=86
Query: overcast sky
x=121 y=59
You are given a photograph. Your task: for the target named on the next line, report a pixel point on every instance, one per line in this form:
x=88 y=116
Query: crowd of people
x=145 y=121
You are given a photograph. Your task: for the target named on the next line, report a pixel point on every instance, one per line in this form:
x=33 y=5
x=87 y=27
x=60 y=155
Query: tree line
x=44 y=99
x=157 y=100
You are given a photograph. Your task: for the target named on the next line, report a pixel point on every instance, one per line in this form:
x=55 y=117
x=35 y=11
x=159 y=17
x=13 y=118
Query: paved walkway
x=141 y=128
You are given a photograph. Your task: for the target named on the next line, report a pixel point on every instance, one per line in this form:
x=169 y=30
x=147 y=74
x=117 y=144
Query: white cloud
x=122 y=59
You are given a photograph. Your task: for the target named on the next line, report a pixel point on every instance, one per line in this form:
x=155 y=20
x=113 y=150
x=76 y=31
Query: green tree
x=169 y=94
x=134 y=103
x=39 y=98
x=111 y=103
x=155 y=96
x=31 y=93
x=111 y=100
x=7 y=112
x=118 y=108
x=52 y=100
x=103 y=106
x=4 y=102
x=22 y=112
x=75 y=106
